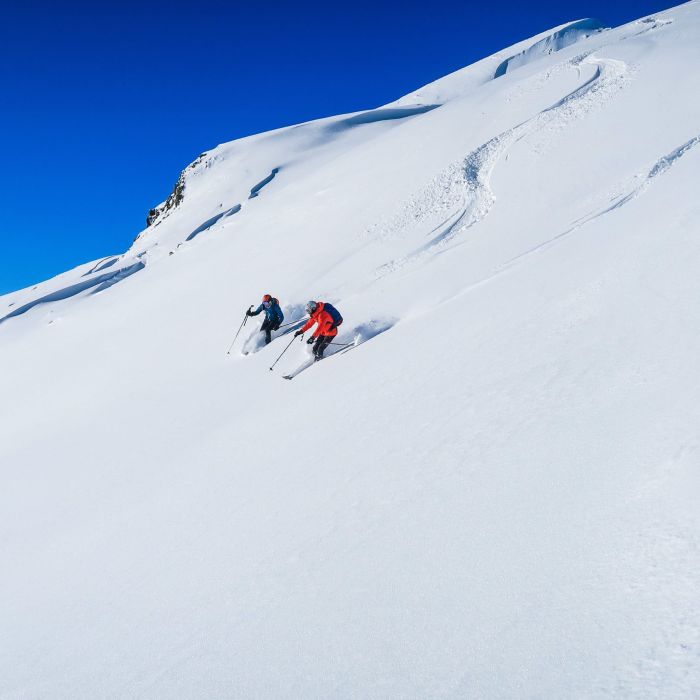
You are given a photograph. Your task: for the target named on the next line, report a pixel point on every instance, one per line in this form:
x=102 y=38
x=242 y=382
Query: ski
x=300 y=368
x=312 y=361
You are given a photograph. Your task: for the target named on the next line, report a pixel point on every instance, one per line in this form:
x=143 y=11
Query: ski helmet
x=267 y=297
x=311 y=306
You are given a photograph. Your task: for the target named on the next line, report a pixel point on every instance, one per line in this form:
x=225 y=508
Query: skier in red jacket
x=328 y=319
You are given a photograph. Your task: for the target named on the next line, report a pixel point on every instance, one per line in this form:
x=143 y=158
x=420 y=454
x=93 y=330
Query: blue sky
x=103 y=103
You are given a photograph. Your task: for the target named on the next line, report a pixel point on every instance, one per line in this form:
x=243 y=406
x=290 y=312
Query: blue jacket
x=273 y=313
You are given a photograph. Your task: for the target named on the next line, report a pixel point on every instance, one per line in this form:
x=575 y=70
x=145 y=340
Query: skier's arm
x=307 y=325
x=256 y=312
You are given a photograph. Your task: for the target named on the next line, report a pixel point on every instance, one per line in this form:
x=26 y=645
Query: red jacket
x=324 y=320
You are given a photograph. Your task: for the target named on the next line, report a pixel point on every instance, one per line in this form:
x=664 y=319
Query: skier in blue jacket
x=273 y=316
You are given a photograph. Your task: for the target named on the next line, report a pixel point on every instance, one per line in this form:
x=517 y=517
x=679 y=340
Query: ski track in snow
x=661 y=166
x=334 y=128
x=463 y=193
x=535 y=440
x=349 y=340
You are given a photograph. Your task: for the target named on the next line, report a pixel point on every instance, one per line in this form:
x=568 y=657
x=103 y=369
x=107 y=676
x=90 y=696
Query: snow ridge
x=97 y=284
x=557 y=41
x=214 y=220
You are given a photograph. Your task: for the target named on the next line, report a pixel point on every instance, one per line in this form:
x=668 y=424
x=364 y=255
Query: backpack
x=334 y=313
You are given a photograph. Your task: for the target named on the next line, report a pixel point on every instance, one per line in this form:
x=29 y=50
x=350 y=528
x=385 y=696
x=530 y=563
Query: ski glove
x=298 y=333
x=311 y=340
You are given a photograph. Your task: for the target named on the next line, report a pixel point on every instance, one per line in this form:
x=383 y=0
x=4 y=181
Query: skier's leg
x=326 y=343
x=321 y=345
x=267 y=328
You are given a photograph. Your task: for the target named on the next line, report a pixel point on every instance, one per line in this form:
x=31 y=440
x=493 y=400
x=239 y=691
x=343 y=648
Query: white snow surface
x=494 y=495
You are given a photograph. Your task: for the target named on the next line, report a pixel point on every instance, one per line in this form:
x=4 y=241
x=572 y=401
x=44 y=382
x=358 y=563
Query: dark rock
x=176 y=196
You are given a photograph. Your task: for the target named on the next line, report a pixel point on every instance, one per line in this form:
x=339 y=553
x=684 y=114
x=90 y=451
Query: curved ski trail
x=661 y=166
x=463 y=193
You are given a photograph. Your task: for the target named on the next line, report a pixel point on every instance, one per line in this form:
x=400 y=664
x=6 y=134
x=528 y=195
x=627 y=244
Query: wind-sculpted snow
x=469 y=80
x=214 y=219
x=102 y=265
x=515 y=409
x=375 y=116
x=334 y=129
x=256 y=188
x=572 y=33
x=461 y=196
x=650 y=24
x=97 y=284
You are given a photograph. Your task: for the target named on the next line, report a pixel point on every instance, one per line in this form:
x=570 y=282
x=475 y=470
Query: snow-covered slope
x=494 y=494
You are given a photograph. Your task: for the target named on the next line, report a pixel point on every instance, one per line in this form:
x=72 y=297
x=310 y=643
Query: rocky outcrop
x=175 y=197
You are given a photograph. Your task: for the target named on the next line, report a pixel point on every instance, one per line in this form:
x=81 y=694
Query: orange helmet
x=267 y=297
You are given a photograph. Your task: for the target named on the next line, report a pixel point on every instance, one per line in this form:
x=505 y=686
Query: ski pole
x=291 y=323
x=283 y=351
x=240 y=328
